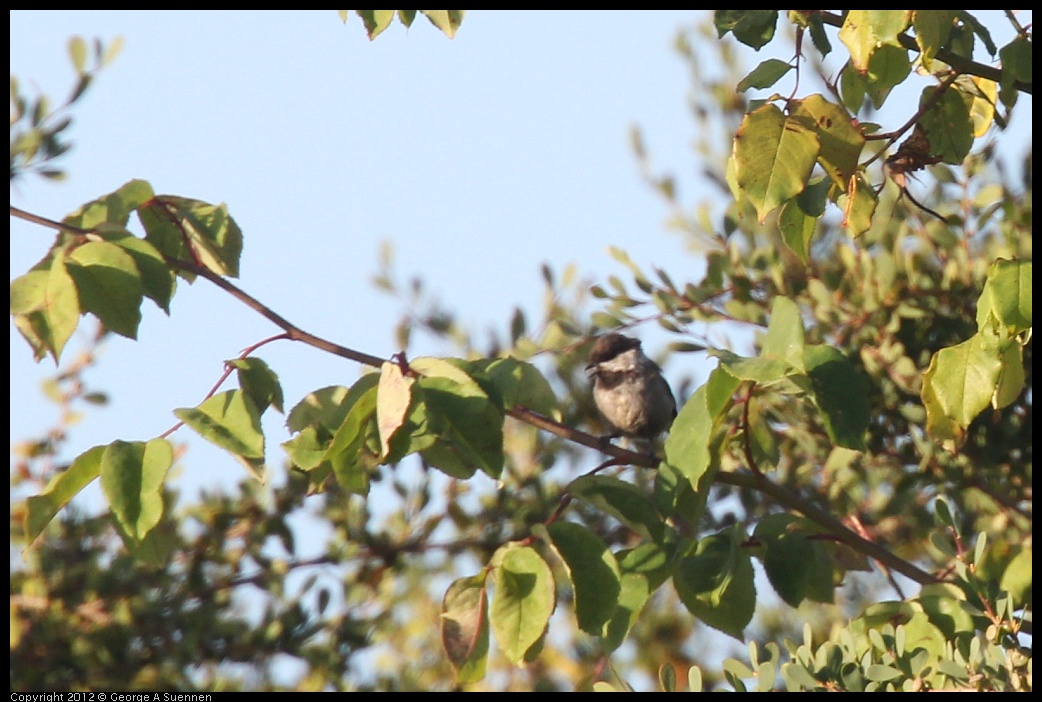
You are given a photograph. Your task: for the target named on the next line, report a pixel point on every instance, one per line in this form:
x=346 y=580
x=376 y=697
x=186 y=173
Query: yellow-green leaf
x=523 y=600
x=40 y=509
x=61 y=311
x=958 y=385
x=132 y=475
x=773 y=156
x=229 y=420
x=109 y=285
x=448 y=21
x=864 y=31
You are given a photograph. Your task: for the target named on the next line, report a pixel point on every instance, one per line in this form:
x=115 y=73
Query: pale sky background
x=480 y=158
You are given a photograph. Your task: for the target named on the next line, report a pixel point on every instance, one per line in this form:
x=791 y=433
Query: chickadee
x=629 y=389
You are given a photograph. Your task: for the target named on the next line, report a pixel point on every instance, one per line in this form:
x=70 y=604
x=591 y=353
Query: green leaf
x=753 y=28
x=688 y=446
x=113 y=208
x=644 y=568
x=932 y=28
x=841 y=394
x=307 y=450
x=1016 y=578
x=326 y=408
x=882 y=673
x=760 y=370
x=814 y=197
x=468 y=424
x=448 y=21
x=317 y=418
x=773 y=157
x=61 y=310
x=353 y=452
x=853 y=87
x=958 y=385
x=1006 y=298
x=979 y=30
x=795 y=564
x=259 y=382
x=716 y=583
x=982 y=96
x=667 y=677
x=521 y=383
x=464 y=627
x=864 y=31
x=157 y=546
x=784 y=340
x=29 y=292
x=157 y=278
x=945 y=606
x=624 y=501
x=765 y=75
x=523 y=601
x=193 y=230
x=841 y=142
x=1017 y=63
x=634 y=593
x=33 y=328
x=947 y=124
x=229 y=420
x=132 y=476
x=393 y=397
x=375 y=21
x=595 y=574
x=859 y=204
x=797 y=228
x=60 y=490
x=888 y=68
x=1012 y=377
x=108 y=285
x=406 y=17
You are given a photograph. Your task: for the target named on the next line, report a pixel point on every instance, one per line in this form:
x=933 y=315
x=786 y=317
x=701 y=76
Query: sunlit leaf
x=108 y=284
x=773 y=156
x=523 y=600
x=132 y=476
x=228 y=419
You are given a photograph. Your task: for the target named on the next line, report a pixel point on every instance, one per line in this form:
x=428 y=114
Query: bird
x=628 y=388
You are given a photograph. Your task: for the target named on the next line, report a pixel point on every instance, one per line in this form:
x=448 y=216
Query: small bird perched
x=629 y=389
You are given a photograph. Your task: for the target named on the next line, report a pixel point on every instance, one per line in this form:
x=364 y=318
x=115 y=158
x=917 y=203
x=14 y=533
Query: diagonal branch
x=753 y=480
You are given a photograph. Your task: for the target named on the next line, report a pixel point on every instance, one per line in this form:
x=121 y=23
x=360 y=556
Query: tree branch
x=754 y=481
x=959 y=63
